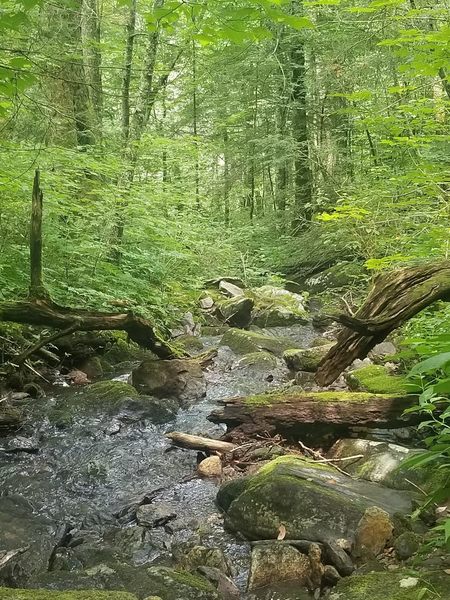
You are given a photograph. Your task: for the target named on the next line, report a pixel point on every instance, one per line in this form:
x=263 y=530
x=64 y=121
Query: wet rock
x=277 y=307
x=28 y=537
x=120 y=351
x=10 y=416
x=407 y=544
x=330 y=576
x=229 y=289
x=22 y=444
x=376 y=379
x=34 y=390
x=180 y=379
x=92 y=367
x=226 y=588
x=180 y=585
x=155 y=515
x=77 y=377
x=310 y=500
x=307 y=359
x=236 y=312
x=256 y=361
x=190 y=343
x=19 y=397
x=17 y=594
x=337 y=556
x=200 y=556
x=391 y=586
x=210 y=467
x=245 y=342
x=273 y=563
x=373 y=533
x=305 y=380
x=156 y=410
x=380 y=462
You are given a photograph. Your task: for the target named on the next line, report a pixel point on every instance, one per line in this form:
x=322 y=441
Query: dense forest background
x=182 y=140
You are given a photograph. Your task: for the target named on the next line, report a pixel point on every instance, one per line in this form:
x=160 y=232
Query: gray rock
x=180 y=379
x=230 y=290
x=245 y=342
x=236 y=312
x=338 y=557
x=206 y=303
x=10 y=416
x=273 y=563
x=226 y=588
x=155 y=515
x=407 y=544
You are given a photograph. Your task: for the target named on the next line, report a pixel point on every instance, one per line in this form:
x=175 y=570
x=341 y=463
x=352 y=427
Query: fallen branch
x=194 y=442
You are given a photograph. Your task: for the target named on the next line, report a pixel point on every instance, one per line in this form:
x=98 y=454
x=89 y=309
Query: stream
x=84 y=476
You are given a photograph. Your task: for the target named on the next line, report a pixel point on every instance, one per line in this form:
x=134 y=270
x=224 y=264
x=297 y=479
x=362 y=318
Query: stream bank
x=94 y=496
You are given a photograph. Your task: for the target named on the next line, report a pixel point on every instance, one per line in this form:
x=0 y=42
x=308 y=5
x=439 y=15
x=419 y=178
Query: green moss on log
x=271 y=398
x=16 y=594
x=376 y=379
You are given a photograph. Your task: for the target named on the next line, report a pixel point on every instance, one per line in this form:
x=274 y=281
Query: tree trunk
x=91 y=37
x=298 y=415
x=194 y=442
x=37 y=289
x=226 y=176
x=127 y=65
x=395 y=297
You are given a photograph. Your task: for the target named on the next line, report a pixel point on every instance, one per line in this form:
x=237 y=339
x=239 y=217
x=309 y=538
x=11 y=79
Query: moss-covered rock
x=16 y=594
x=172 y=584
x=236 y=312
x=199 y=556
x=245 y=342
x=180 y=379
x=275 y=307
x=120 y=350
x=92 y=367
x=377 y=380
x=272 y=563
x=404 y=585
x=339 y=276
x=311 y=500
x=257 y=361
x=407 y=544
x=307 y=359
x=104 y=394
x=190 y=343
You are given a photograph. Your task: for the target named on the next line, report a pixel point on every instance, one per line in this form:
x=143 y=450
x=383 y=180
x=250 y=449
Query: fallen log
x=301 y=414
x=395 y=297
x=194 y=442
x=39 y=309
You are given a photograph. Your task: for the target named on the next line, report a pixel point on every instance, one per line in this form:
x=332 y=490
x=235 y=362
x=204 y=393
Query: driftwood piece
x=302 y=413
x=194 y=442
x=395 y=297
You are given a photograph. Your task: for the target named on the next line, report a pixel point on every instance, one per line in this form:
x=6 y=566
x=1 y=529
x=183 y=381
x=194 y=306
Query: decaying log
x=395 y=297
x=299 y=414
x=47 y=313
x=194 y=442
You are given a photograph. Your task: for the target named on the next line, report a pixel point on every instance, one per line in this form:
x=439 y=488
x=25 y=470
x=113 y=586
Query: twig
x=26 y=364
x=319 y=458
x=416 y=486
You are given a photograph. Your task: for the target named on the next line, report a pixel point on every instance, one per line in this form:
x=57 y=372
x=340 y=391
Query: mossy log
x=395 y=297
x=44 y=312
x=300 y=413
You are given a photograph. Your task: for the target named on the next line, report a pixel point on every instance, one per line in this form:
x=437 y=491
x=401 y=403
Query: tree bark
x=127 y=65
x=91 y=37
x=37 y=289
x=301 y=414
x=395 y=297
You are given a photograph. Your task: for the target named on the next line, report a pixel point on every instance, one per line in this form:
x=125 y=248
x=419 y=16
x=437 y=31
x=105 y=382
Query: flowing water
x=84 y=474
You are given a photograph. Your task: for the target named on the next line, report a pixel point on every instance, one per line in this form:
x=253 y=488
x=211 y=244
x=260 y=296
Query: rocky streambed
x=95 y=497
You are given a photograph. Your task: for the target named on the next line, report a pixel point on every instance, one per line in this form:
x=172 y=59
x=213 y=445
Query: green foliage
x=433 y=374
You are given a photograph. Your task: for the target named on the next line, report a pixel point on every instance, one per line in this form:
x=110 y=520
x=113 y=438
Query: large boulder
x=343 y=274
x=236 y=312
x=180 y=379
x=380 y=462
x=246 y=342
x=307 y=359
x=397 y=585
x=27 y=539
x=312 y=501
x=275 y=307
x=377 y=379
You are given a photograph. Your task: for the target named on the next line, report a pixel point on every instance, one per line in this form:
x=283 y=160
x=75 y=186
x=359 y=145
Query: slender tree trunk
x=194 y=123
x=127 y=65
x=91 y=37
x=37 y=289
x=302 y=168
x=226 y=175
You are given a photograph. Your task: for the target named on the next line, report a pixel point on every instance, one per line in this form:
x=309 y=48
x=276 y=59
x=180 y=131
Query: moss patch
x=377 y=380
x=406 y=585
x=246 y=342
x=16 y=594
x=277 y=397
x=307 y=359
